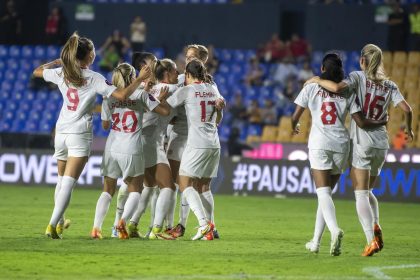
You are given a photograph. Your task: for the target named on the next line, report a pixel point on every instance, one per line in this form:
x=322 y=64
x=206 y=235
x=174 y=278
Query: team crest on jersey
x=108 y=82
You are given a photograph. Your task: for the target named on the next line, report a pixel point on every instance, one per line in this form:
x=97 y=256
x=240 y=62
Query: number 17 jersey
x=329 y=111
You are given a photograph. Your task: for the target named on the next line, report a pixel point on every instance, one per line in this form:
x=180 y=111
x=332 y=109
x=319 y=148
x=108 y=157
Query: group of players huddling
x=140 y=109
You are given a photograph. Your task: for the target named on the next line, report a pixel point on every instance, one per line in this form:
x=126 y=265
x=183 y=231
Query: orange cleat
x=208 y=236
x=122 y=230
x=96 y=233
x=371 y=249
x=377 y=231
x=177 y=231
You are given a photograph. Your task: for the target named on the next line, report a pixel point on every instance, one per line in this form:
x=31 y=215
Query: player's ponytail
x=196 y=69
x=201 y=52
x=163 y=66
x=374 y=67
x=332 y=68
x=123 y=75
x=75 y=50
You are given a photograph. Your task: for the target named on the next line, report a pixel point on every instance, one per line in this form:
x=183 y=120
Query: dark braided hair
x=333 y=67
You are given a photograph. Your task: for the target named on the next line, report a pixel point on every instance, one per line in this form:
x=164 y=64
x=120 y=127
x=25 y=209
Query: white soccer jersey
x=127 y=120
x=76 y=113
x=153 y=119
x=374 y=99
x=199 y=100
x=329 y=112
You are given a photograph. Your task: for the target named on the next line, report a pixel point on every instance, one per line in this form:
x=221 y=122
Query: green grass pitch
x=261 y=238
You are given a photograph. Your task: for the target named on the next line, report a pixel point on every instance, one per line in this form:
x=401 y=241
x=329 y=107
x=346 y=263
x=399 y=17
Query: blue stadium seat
x=46 y=126
x=239 y=56
x=254 y=129
x=13 y=64
x=5 y=125
x=225 y=55
x=53 y=52
x=317 y=57
x=38 y=105
x=2 y=64
x=25 y=106
x=29 y=95
x=224 y=132
x=6 y=86
x=42 y=95
x=10 y=76
x=22 y=115
x=17 y=96
x=31 y=126
x=27 y=52
x=4 y=95
x=26 y=65
x=9 y=113
x=40 y=52
x=14 y=51
x=224 y=68
x=4 y=51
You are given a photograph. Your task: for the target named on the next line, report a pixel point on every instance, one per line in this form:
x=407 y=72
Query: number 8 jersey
x=329 y=112
x=78 y=103
x=374 y=99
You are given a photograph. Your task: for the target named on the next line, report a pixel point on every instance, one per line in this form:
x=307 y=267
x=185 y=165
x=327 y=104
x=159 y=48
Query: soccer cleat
x=133 y=231
x=371 y=249
x=122 y=230
x=114 y=233
x=61 y=227
x=312 y=246
x=377 y=231
x=52 y=232
x=203 y=230
x=96 y=233
x=157 y=234
x=216 y=234
x=209 y=236
x=336 y=239
x=177 y=231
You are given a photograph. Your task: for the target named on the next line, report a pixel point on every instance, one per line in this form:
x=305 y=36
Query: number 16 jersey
x=329 y=112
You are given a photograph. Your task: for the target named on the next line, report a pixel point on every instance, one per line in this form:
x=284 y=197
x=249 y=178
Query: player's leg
x=165 y=200
x=184 y=208
x=121 y=199
x=102 y=206
x=135 y=185
x=74 y=168
x=207 y=199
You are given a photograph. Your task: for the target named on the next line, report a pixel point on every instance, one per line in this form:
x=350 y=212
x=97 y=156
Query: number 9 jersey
x=78 y=103
x=329 y=111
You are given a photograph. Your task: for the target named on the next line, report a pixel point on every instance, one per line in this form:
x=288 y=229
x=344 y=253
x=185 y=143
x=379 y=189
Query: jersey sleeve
x=148 y=100
x=105 y=112
x=177 y=98
x=303 y=98
x=396 y=96
x=102 y=86
x=352 y=81
x=52 y=75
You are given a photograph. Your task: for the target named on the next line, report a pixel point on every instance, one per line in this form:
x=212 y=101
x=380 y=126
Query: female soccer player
x=328 y=141
x=123 y=154
x=201 y=156
x=374 y=91
x=73 y=138
x=157 y=170
x=177 y=143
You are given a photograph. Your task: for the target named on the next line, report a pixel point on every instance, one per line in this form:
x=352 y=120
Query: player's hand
x=145 y=73
x=296 y=131
x=409 y=135
x=220 y=104
x=314 y=79
x=164 y=94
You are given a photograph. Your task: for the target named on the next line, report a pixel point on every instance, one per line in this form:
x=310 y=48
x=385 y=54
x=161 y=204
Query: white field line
x=242 y=277
x=376 y=271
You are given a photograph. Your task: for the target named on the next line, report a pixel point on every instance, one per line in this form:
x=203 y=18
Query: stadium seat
x=413 y=58
x=14 y=51
x=254 y=129
x=39 y=52
x=53 y=52
x=12 y=64
x=269 y=133
x=4 y=51
x=399 y=58
x=27 y=52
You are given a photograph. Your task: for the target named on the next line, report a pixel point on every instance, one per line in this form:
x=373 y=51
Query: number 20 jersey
x=374 y=100
x=329 y=111
x=127 y=121
x=78 y=103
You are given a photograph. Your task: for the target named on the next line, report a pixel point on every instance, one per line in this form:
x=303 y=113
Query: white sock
x=153 y=202
x=146 y=194
x=375 y=207
x=171 y=210
x=184 y=211
x=208 y=204
x=57 y=190
x=102 y=207
x=162 y=206
x=319 y=225
x=364 y=211
x=327 y=207
x=63 y=199
x=130 y=205
x=193 y=199
x=121 y=199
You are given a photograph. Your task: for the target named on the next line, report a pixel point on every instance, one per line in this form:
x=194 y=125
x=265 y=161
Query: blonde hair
x=163 y=66
x=75 y=50
x=123 y=75
x=374 y=66
x=202 y=52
